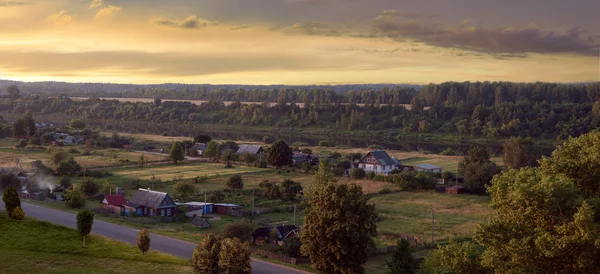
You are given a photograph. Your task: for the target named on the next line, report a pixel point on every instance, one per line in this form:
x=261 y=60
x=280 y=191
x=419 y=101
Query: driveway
x=129 y=235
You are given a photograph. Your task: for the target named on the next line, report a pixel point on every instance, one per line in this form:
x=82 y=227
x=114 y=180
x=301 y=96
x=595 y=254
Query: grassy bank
x=31 y=246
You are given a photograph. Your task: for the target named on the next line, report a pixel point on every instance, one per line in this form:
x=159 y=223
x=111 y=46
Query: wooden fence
x=280 y=257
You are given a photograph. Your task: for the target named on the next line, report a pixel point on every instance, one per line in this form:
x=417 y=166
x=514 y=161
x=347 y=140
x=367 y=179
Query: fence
x=282 y=258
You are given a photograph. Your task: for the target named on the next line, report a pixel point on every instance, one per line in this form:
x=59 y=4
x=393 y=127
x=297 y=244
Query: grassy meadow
x=31 y=246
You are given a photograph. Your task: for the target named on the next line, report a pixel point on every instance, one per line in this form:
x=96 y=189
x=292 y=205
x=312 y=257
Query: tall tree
x=9 y=180
x=540 y=224
x=478 y=170
x=77 y=124
x=29 y=124
x=520 y=152
x=18 y=128
x=234 y=257
x=280 y=154
x=184 y=190
x=402 y=262
x=143 y=240
x=334 y=244
x=212 y=150
x=85 y=220
x=11 y=200
x=177 y=153
x=204 y=139
x=205 y=258
x=456 y=258
x=13 y=92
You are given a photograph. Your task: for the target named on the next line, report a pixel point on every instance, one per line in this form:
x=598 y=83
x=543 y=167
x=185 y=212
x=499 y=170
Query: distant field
x=32 y=246
x=185 y=171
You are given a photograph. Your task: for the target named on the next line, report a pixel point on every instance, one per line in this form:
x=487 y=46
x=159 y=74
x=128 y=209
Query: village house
x=228 y=209
x=151 y=203
x=196 y=150
x=427 y=168
x=379 y=161
x=113 y=203
x=262 y=235
x=300 y=158
x=250 y=149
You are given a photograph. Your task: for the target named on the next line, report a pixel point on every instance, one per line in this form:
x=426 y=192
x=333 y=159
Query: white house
x=379 y=161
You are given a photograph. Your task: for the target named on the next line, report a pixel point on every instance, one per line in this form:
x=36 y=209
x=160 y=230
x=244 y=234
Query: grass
x=31 y=246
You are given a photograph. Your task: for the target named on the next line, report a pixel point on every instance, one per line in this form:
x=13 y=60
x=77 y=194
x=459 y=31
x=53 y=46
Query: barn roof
x=427 y=166
x=115 y=200
x=250 y=149
x=148 y=198
x=383 y=158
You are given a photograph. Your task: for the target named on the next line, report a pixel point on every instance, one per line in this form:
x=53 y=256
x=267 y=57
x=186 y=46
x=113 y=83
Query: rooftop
x=427 y=166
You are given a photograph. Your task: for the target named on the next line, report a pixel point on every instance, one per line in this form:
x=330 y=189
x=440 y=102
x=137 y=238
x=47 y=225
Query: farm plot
x=184 y=171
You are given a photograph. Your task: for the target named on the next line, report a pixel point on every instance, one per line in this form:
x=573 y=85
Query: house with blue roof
x=379 y=161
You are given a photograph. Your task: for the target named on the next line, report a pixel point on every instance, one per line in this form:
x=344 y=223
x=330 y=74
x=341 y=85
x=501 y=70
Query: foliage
x=143 y=240
x=448 y=152
x=478 y=170
x=89 y=187
x=268 y=140
x=185 y=189
x=240 y=230
x=357 y=173
x=212 y=150
x=334 y=244
x=13 y=92
x=177 y=153
x=520 y=152
x=203 y=139
x=456 y=258
x=74 y=198
x=205 y=258
x=141 y=160
x=541 y=225
x=11 y=200
x=77 y=124
x=59 y=156
x=234 y=257
x=22 y=143
x=291 y=190
x=107 y=188
x=323 y=143
x=24 y=126
x=402 y=261
x=371 y=175
x=235 y=182
x=9 y=180
x=68 y=167
x=85 y=220
x=291 y=247
x=17 y=214
x=279 y=154
x=216 y=196
x=354 y=156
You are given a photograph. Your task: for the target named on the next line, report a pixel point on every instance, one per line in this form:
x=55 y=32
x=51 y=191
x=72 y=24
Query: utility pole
x=432 y=226
x=152 y=181
x=252 y=216
x=294 y=214
x=205 y=206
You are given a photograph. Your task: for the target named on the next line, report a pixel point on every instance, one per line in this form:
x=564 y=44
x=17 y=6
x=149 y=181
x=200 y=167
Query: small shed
x=196 y=206
x=113 y=203
x=228 y=209
x=455 y=190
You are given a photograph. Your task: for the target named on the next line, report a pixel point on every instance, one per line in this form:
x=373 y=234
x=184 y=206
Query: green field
x=31 y=246
x=184 y=171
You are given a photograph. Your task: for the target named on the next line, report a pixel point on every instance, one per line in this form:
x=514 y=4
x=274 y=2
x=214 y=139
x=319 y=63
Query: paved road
x=126 y=234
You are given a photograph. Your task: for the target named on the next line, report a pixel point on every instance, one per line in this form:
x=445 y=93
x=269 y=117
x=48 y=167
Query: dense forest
x=498 y=109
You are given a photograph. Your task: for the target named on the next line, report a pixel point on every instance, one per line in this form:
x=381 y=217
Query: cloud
x=240 y=27
x=314 y=28
x=192 y=22
x=107 y=12
x=499 y=40
x=96 y=4
x=14 y=3
x=61 y=18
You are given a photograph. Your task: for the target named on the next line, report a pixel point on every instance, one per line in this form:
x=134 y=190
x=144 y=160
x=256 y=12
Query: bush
x=291 y=247
x=268 y=140
x=74 y=198
x=90 y=188
x=379 y=178
x=216 y=196
x=384 y=191
x=323 y=143
x=235 y=182
x=371 y=175
x=338 y=171
x=74 y=151
x=241 y=230
x=164 y=133
x=357 y=173
x=22 y=143
x=449 y=152
x=228 y=166
x=17 y=214
x=375 y=147
x=262 y=164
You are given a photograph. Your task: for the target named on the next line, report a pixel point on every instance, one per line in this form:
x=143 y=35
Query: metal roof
x=228 y=205
x=250 y=149
x=197 y=204
x=428 y=166
x=383 y=158
x=149 y=198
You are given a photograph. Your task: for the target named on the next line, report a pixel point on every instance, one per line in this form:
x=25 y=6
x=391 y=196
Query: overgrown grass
x=31 y=246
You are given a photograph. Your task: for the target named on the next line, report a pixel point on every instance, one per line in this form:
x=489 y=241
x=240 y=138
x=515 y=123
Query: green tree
x=402 y=261
x=77 y=124
x=29 y=124
x=291 y=247
x=334 y=244
x=235 y=182
x=74 y=197
x=11 y=200
x=240 y=230
x=65 y=182
x=85 y=220
x=89 y=187
x=184 y=190
x=234 y=257
x=456 y=258
x=143 y=240
x=59 y=156
x=108 y=188
x=177 y=153
x=13 y=92
x=9 y=180
x=141 y=160
x=357 y=173
x=291 y=190
x=17 y=214
x=18 y=128
x=212 y=150
x=280 y=154
x=157 y=101
x=520 y=152
x=205 y=258
x=540 y=224
x=478 y=170
x=203 y=139
x=69 y=167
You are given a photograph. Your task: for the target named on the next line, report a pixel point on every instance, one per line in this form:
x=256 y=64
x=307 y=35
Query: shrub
x=291 y=247
x=449 y=152
x=371 y=175
x=22 y=143
x=357 y=173
x=338 y=171
x=379 y=178
x=384 y=191
x=375 y=147
x=216 y=196
x=268 y=140
x=323 y=143
x=74 y=198
x=235 y=182
x=228 y=165
x=90 y=188
x=164 y=133
x=241 y=230
x=262 y=164
x=17 y=214
x=74 y=151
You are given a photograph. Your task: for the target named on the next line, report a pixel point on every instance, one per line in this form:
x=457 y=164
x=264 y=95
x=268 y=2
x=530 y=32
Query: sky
x=299 y=41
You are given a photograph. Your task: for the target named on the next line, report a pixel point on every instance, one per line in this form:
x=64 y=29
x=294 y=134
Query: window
x=145 y=211
x=162 y=212
x=168 y=212
x=151 y=212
